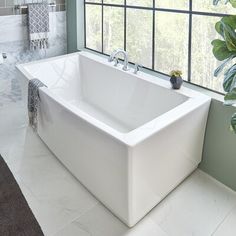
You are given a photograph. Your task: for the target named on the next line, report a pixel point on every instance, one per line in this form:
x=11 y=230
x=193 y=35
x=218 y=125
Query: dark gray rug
x=16 y=218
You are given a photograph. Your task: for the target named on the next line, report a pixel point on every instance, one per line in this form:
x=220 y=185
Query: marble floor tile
x=12 y=118
x=228 y=226
x=195 y=208
x=74 y=229
x=56 y=203
x=12 y=139
x=54 y=195
x=97 y=222
x=101 y=222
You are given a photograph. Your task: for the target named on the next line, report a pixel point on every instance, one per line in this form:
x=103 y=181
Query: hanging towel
x=38 y=24
x=34 y=101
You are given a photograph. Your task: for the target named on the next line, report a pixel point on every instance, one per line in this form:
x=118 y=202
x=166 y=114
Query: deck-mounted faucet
x=126 y=57
x=137 y=68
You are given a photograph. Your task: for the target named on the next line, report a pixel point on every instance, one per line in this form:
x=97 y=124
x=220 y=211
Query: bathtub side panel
x=24 y=87
x=165 y=159
x=97 y=160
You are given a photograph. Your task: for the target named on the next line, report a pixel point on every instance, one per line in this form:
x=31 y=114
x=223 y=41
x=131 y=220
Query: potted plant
x=176 y=79
x=224 y=49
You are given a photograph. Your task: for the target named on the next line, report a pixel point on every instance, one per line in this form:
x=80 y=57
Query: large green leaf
x=229 y=20
x=222 y=66
x=229 y=79
x=230 y=98
x=219 y=28
x=227 y=23
x=233 y=122
x=223 y=49
x=220 y=50
x=229 y=36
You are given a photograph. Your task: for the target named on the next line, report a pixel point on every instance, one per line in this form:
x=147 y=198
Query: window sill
x=213 y=95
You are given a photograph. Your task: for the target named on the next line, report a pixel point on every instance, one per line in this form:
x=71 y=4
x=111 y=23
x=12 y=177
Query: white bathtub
x=128 y=138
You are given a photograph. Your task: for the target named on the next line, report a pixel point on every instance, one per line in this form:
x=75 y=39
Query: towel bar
x=18 y=7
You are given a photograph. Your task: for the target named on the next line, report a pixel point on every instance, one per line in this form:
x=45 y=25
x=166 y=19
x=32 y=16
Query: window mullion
x=85 y=34
x=190 y=40
x=125 y=25
x=102 y=27
x=153 y=35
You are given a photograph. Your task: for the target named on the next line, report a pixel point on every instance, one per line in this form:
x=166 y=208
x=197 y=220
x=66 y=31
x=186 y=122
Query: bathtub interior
x=119 y=99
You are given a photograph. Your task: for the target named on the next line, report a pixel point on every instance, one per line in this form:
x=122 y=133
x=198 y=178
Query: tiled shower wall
x=14 y=42
x=8 y=7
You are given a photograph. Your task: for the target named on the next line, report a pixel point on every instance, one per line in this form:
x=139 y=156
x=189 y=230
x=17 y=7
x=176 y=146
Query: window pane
x=94 y=27
x=121 y=2
x=98 y=1
x=139 y=36
x=113 y=28
x=173 y=4
x=144 y=3
x=171 y=44
x=171 y=35
x=207 y=6
x=203 y=61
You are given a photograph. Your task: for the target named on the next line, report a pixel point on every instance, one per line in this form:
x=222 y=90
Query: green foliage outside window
x=232 y=2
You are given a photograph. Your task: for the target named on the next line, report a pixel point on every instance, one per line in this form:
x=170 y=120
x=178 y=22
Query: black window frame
x=190 y=12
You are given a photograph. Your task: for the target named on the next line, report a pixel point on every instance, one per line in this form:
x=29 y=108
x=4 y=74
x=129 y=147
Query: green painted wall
x=71 y=26
x=219 y=154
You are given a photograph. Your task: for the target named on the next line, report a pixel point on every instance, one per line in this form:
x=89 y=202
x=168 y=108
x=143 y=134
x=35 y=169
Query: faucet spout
x=125 y=55
x=112 y=56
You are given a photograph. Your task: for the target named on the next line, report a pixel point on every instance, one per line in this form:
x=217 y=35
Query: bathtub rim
x=135 y=136
x=132 y=138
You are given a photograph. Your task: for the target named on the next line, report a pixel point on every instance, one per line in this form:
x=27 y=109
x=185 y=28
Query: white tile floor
x=63 y=207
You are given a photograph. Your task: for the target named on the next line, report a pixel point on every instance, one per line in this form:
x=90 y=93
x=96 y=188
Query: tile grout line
x=22 y=182
x=167 y=234
x=76 y=218
x=226 y=215
x=223 y=220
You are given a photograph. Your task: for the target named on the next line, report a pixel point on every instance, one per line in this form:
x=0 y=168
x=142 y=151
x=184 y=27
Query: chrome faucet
x=116 y=60
x=114 y=54
x=137 y=68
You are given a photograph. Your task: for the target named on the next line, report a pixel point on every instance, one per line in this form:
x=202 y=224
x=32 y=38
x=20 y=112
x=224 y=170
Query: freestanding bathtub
x=130 y=139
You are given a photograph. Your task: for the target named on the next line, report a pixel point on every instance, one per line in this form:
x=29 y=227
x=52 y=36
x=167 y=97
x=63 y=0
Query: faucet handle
x=116 y=60
x=110 y=58
x=126 y=67
x=137 y=67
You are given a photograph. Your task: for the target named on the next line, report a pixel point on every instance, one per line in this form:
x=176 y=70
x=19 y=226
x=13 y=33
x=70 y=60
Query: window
x=162 y=35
